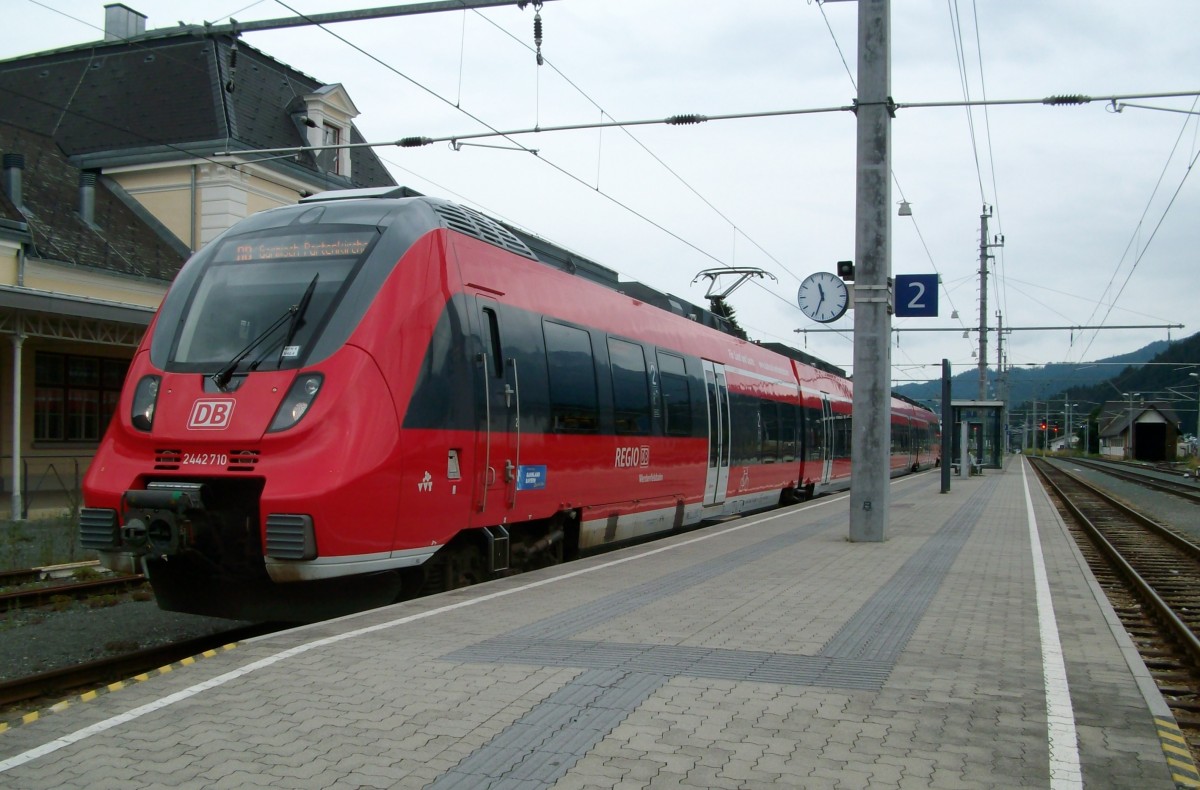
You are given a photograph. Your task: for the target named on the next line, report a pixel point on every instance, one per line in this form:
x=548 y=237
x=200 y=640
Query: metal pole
x=947 y=426
x=342 y=16
x=871 y=440
x=983 y=259
x=1001 y=383
x=1033 y=429
x=18 y=507
x=1197 y=377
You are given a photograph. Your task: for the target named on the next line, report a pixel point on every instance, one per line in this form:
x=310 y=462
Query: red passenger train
x=372 y=393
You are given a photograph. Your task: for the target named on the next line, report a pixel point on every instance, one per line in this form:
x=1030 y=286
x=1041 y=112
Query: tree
x=722 y=308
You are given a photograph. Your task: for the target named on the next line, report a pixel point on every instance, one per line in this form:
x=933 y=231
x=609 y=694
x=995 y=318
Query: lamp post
x=1131 y=396
x=1070 y=426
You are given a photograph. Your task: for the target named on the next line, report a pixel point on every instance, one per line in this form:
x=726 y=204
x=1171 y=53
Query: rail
x=1149 y=573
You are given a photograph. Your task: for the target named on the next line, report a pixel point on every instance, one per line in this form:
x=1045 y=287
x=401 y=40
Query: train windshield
x=262 y=299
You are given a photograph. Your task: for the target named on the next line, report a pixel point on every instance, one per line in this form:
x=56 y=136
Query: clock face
x=823 y=297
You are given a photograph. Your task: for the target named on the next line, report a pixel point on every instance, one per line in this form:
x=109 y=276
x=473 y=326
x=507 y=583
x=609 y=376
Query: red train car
x=370 y=394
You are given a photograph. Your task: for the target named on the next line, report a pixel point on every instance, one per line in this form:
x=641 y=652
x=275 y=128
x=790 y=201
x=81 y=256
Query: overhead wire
x=1162 y=218
x=67 y=110
x=736 y=229
x=960 y=56
x=961 y=63
x=235 y=166
x=987 y=126
x=1137 y=228
x=895 y=179
x=645 y=148
x=508 y=136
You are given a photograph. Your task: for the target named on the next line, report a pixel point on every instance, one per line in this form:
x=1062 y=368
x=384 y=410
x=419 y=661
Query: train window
x=769 y=411
x=573 y=402
x=746 y=429
x=676 y=395
x=491 y=341
x=249 y=296
x=787 y=432
x=814 y=439
x=631 y=387
x=841 y=435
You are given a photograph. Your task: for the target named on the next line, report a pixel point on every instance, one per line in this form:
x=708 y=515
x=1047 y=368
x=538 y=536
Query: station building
x=1138 y=430
x=111 y=179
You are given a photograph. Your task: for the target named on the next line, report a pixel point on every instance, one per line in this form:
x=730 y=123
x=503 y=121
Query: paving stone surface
x=767 y=652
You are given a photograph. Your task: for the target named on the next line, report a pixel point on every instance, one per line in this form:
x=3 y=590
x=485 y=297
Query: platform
x=765 y=652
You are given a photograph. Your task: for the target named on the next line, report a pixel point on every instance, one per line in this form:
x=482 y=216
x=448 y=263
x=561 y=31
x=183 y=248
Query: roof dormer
x=328 y=117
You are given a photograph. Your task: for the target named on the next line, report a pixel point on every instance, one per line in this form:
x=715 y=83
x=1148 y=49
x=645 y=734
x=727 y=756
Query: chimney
x=122 y=22
x=87 y=197
x=13 y=165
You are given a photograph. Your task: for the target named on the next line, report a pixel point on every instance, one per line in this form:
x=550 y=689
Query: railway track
x=43 y=689
x=35 y=588
x=1150 y=478
x=14 y=578
x=1152 y=578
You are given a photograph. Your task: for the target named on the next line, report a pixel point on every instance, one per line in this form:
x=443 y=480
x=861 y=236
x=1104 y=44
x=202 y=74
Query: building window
x=75 y=397
x=332 y=135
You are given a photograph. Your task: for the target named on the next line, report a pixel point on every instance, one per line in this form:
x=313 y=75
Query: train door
x=826 y=438
x=498 y=440
x=717 y=394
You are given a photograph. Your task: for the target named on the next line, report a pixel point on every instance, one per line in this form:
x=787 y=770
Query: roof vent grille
x=472 y=223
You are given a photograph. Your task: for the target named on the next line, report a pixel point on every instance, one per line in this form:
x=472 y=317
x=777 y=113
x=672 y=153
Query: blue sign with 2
x=916 y=295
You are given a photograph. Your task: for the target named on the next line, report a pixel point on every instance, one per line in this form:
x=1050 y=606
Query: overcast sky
x=1101 y=223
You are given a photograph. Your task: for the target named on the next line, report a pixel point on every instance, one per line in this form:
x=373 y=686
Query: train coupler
x=154 y=518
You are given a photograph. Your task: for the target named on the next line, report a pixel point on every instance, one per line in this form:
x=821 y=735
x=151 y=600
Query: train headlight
x=144 y=399
x=297 y=401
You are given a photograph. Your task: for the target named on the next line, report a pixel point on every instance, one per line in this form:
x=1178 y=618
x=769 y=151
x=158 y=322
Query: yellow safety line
x=88 y=696
x=1179 y=756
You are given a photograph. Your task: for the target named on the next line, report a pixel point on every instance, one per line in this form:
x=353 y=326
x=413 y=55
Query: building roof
x=12 y=222
x=120 y=239
x=1115 y=416
x=160 y=97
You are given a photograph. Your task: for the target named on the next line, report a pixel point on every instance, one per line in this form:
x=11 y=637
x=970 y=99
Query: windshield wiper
x=222 y=376
x=297 y=318
x=295 y=313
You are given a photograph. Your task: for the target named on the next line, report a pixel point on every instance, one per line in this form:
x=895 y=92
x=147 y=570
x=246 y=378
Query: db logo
x=210 y=415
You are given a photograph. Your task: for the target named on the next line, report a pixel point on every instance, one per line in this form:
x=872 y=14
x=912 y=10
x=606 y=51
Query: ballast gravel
x=40 y=640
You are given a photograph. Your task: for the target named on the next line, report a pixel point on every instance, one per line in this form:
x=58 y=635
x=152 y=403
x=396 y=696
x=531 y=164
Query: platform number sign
x=916 y=295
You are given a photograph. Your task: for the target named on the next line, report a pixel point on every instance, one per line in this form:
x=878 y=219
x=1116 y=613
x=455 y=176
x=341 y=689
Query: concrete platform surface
x=970 y=649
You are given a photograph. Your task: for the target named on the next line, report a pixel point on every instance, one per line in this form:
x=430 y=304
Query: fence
x=48 y=482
